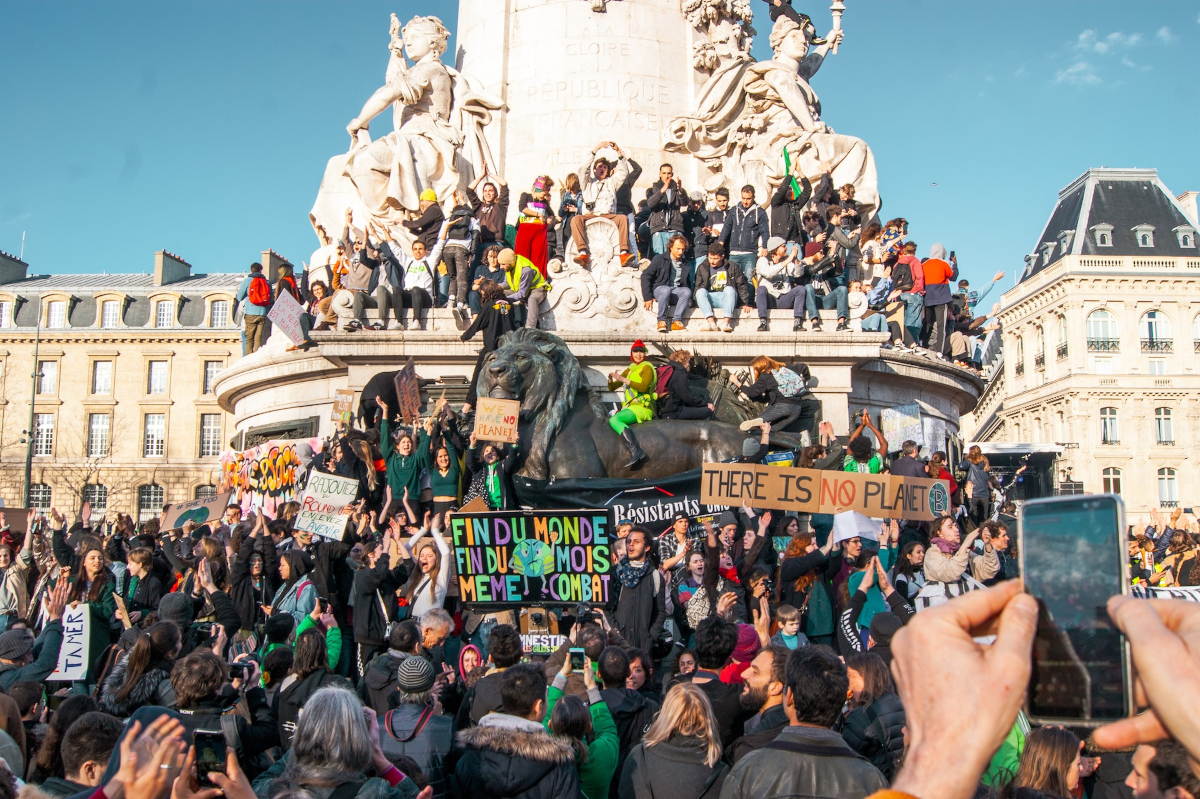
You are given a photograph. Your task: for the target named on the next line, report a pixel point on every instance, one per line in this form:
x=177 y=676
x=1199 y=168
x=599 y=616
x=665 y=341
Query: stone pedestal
x=571 y=76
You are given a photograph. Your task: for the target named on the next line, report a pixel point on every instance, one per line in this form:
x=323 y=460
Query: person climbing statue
x=636 y=383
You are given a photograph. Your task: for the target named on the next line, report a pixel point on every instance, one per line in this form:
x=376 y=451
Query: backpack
x=260 y=291
x=664 y=376
x=790 y=384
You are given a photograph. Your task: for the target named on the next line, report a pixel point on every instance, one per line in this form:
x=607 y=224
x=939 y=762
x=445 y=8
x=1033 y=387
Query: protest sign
x=77 y=637
x=900 y=424
x=541 y=643
x=285 y=314
x=551 y=557
x=813 y=491
x=199 y=511
x=326 y=505
x=265 y=477
x=17 y=522
x=496 y=420
x=343 y=406
x=408 y=392
x=783 y=458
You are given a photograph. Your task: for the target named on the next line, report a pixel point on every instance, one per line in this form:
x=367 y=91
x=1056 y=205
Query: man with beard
x=763 y=685
x=641 y=607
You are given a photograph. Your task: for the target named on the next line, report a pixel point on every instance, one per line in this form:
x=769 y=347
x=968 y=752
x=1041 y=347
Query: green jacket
x=1004 y=763
x=596 y=774
x=333 y=641
x=404 y=471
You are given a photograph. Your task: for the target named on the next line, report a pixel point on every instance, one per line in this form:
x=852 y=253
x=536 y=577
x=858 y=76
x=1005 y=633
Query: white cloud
x=1089 y=41
x=1129 y=62
x=1165 y=36
x=1081 y=73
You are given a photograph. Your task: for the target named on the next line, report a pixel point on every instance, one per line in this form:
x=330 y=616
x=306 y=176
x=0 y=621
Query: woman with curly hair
x=803 y=585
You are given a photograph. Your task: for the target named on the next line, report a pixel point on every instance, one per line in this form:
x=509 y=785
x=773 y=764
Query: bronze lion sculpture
x=564 y=426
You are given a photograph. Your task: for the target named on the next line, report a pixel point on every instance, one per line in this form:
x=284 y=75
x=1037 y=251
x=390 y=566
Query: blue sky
x=203 y=128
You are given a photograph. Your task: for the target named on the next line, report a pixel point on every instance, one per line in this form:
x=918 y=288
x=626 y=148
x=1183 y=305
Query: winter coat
x=943 y=568
x=45 y=658
x=476 y=469
x=596 y=774
x=288 y=701
x=510 y=757
x=152 y=688
x=773 y=772
x=375 y=602
x=58 y=787
x=145 y=596
x=734 y=276
x=380 y=680
x=745 y=229
x=674 y=768
x=666 y=212
x=273 y=782
x=641 y=612
x=298 y=599
x=679 y=394
x=786 y=215
x=773 y=721
x=661 y=272
x=868 y=738
x=14 y=584
x=429 y=748
x=256 y=736
x=633 y=713
x=246 y=595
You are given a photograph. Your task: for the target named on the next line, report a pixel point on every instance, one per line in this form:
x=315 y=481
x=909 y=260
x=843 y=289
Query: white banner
x=285 y=314
x=900 y=424
x=326 y=505
x=77 y=637
x=1189 y=593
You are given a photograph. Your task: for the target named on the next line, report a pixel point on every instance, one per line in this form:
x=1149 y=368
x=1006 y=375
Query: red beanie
x=637 y=345
x=811 y=249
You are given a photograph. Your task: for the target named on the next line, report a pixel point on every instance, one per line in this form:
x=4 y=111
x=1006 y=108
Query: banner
x=1188 y=593
x=496 y=420
x=814 y=491
x=343 y=406
x=900 y=424
x=264 y=477
x=326 y=505
x=541 y=643
x=408 y=392
x=551 y=557
x=77 y=636
x=285 y=314
x=200 y=511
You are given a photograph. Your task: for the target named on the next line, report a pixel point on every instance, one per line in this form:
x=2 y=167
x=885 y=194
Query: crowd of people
x=751 y=654
x=808 y=247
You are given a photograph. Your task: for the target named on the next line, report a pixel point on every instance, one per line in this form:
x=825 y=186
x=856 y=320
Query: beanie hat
x=637 y=345
x=775 y=242
x=884 y=626
x=749 y=447
x=176 y=607
x=747 y=644
x=415 y=675
x=279 y=627
x=811 y=249
x=16 y=644
x=429 y=195
x=728 y=517
x=506 y=257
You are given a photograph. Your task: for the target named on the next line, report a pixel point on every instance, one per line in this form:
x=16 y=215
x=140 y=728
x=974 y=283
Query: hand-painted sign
x=77 y=637
x=200 y=511
x=326 y=505
x=496 y=420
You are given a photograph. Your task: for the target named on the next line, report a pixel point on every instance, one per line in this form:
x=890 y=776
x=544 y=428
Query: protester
x=680 y=755
x=588 y=726
x=720 y=285
x=524 y=285
x=49 y=760
x=144 y=678
x=763 y=687
x=636 y=384
x=874 y=725
x=641 y=611
x=1049 y=765
x=667 y=281
x=534 y=224
x=255 y=292
x=784 y=387
x=86 y=749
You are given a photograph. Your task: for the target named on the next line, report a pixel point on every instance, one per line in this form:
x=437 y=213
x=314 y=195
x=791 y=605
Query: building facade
x=1101 y=342
x=120 y=370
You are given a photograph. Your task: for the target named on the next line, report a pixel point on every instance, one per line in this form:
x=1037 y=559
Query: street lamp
x=31 y=433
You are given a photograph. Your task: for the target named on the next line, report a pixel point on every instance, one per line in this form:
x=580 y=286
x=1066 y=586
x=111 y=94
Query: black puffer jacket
x=515 y=763
x=868 y=738
x=152 y=688
x=287 y=702
x=633 y=714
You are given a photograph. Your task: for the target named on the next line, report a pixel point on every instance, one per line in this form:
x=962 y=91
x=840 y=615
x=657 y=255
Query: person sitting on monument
x=525 y=285
x=491 y=211
x=535 y=223
x=601 y=179
x=495 y=318
x=779 y=284
x=425 y=228
x=679 y=402
x=636 y=383
x=415 y=277
x=488 y=267
x=667 y=201
x=784 y=387
x=667 y=280
x=354 y=277
x=812 y=227
x=787 y=211
x=744 y=233
x=570 y=202
x=829 y=279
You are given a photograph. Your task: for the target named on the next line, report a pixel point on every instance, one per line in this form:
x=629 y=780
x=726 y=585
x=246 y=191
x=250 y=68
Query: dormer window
x=1102 y=235
x=1186 y=236
x=1048 y=250
x=1064 y=240
x=1144 y=235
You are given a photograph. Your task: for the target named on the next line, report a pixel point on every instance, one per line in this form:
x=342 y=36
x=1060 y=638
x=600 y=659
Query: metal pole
x=32 y=398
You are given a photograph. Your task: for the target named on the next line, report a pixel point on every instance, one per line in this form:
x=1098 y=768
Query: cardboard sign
x=285 y=314
x=408 y=392
x=814 y=491
x=900 y=424
x=17 y=521
x=77 y=637
x=343 y=406
x=496 y=420
x=200 y=511
x=326 y=505
x=541 y=557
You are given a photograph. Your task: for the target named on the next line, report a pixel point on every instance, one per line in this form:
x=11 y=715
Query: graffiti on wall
x=269 y=475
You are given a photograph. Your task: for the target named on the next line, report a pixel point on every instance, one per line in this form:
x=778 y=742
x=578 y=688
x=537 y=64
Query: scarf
x=631 y=575
x=945 y=546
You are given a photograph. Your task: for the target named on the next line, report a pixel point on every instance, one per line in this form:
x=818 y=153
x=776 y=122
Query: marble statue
x=747 y=112
x=437 y=140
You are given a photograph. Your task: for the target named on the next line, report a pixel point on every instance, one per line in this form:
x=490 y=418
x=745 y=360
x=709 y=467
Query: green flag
x=787 y=164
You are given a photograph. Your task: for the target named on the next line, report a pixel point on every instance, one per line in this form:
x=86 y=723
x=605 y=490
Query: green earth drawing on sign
x=197 y=515
x=532 y=558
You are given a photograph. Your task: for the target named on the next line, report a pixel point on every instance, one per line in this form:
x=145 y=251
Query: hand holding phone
x=210 y=756
x=577 y=658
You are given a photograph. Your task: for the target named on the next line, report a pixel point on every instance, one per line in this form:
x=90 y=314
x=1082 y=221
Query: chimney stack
x=170 y=268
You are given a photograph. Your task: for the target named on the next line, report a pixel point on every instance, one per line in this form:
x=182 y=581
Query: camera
x=769 y=585
x=585 y=615
x=240 y=669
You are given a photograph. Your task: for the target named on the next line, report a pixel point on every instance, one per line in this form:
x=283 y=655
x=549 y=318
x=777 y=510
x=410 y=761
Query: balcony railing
x=1166 y=442
x=1039 y=361
x=1110 y=442
x=1019 y=368
x=1103 y=345
x=1062 y=351
x=1157 y=345
x=1196 y=345
x=1168 y=503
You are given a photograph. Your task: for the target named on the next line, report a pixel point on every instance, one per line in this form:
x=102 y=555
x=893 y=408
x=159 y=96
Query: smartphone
x=577 y=658
x=1073 y=560
x=210 y=755
x=54 y=700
